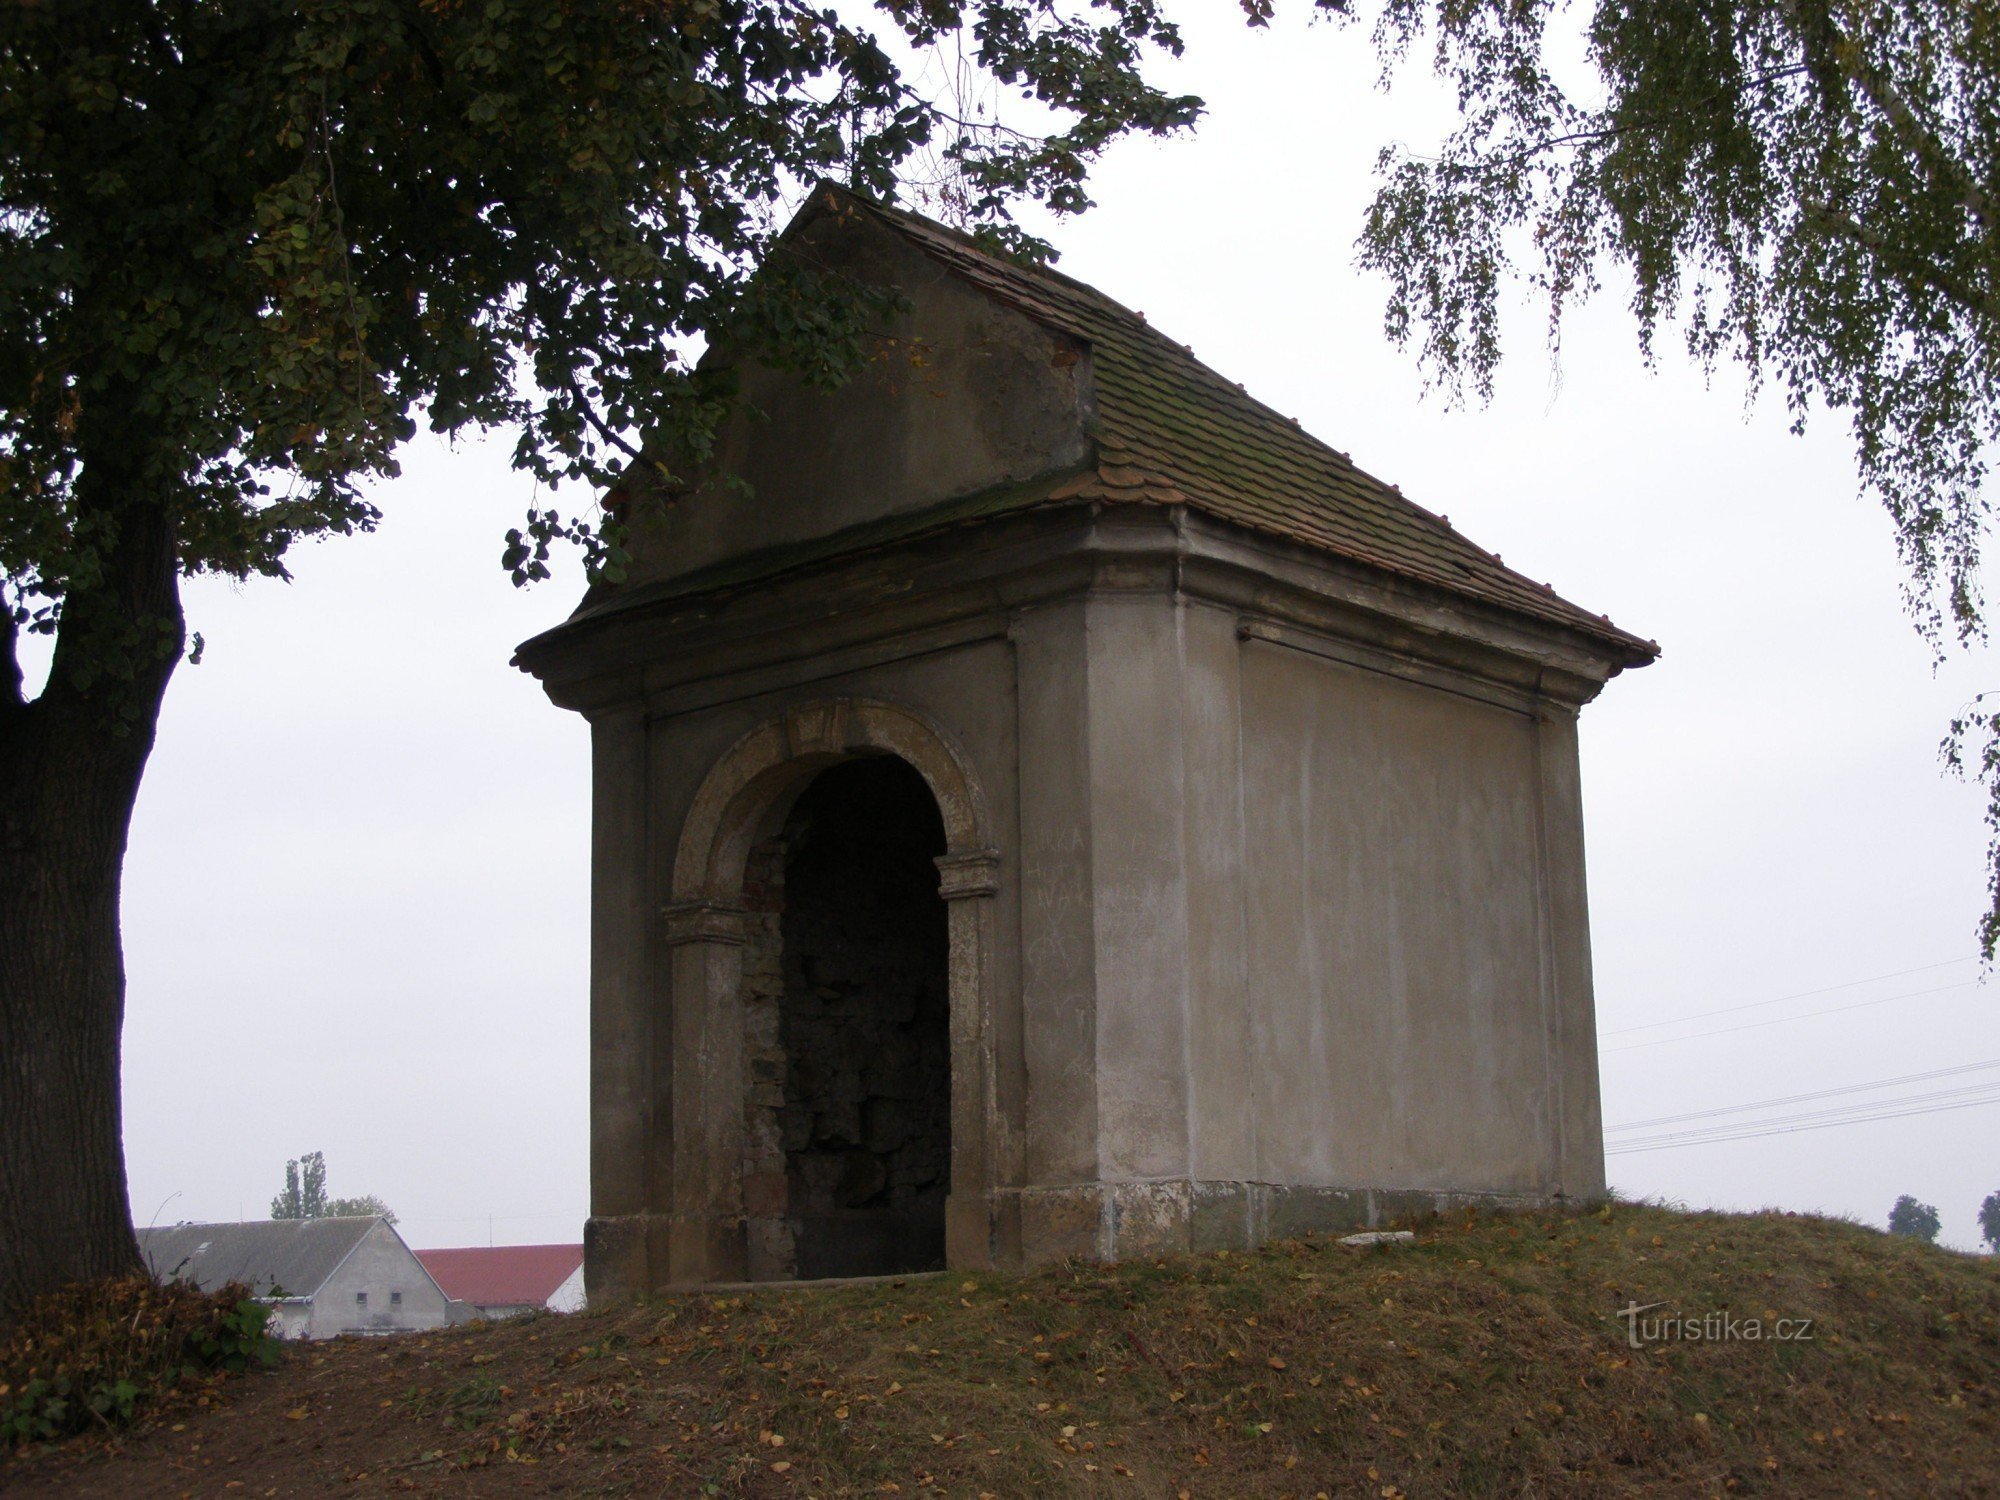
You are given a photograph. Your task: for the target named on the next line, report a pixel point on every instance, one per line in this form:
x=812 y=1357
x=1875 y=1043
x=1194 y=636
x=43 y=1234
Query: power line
x=1627 y=1149
x=1838 y=1111
x=1668 y=1143
x=1804 y=1015
x=1851 y=1088
x=1702 y=1015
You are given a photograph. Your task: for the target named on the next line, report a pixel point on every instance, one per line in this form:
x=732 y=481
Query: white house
x=321 y=1277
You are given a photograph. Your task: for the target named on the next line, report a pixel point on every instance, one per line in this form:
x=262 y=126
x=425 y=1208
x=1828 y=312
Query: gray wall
x=1395 y=890
x=380 y=1266
x=962 y=394
x=1281 y=941
x=1302 y=942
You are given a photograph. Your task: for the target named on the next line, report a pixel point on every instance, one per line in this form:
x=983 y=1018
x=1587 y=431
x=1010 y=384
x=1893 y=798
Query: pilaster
x=622 y=1081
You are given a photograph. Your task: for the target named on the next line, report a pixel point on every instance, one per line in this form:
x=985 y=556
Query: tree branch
x=1951 y=288
x=1542 y=146
x=1921 y=141
x=590 y=415
x=532 y=298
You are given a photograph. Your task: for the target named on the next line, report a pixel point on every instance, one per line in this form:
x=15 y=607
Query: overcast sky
x=356 y=900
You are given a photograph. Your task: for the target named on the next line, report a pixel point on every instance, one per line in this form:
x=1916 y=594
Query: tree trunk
x=70 y=764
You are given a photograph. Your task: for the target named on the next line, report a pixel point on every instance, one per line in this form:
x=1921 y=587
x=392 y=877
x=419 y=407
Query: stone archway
x=745 y=799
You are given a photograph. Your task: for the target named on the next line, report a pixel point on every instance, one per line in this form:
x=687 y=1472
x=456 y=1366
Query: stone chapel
x=1048 y=804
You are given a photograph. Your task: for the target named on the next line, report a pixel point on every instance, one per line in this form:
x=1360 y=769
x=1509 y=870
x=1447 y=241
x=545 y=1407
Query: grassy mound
x=1488 y=1359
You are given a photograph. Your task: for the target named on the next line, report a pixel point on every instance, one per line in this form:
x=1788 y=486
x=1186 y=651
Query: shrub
x=93 y=1352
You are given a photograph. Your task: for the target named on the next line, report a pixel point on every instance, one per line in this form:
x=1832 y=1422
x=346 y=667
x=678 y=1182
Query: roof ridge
x=909 y=219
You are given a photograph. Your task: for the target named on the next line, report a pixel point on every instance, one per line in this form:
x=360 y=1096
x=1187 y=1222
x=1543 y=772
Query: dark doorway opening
x=865 y=1024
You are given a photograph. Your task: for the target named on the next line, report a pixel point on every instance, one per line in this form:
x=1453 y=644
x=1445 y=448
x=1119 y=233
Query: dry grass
x=1485 y=1361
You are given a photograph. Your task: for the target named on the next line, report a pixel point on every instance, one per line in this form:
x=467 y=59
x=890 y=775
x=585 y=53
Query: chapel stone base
x=1023 y=1228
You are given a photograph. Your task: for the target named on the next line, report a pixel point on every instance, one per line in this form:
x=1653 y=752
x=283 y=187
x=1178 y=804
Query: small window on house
x=360 y=1299
x=395 y=1299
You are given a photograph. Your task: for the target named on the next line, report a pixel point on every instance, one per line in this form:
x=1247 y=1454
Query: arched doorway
x=802 y=780
x=862 y=1114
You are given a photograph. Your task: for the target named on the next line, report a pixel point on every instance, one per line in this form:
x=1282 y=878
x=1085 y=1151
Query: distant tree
x=304 y=1196
x=1989 y=1222
x=1917 y=1220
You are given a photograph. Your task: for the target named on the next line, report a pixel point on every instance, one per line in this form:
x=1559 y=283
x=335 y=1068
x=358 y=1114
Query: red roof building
x=500 y=1280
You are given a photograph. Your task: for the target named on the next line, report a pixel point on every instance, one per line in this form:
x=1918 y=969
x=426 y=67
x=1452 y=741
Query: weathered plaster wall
x=1291 y=931
x=961 y=395
x=1402 y=1036
x=1281 y=940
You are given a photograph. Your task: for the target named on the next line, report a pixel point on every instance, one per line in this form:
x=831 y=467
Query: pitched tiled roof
x=1171 y=431
x=293 y=1255
x=502 y=1275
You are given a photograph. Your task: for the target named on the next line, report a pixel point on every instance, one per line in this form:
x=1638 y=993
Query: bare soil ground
x=1486 y=1360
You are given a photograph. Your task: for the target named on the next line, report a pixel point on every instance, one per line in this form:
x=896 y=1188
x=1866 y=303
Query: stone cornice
x=950 y=590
